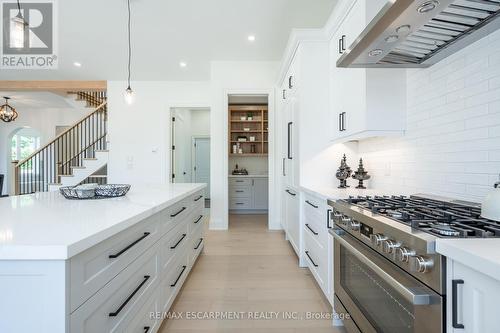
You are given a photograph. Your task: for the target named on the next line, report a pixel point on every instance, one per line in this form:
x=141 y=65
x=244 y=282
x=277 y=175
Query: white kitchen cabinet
x=364 y=102
x=476 y=299
x=318 y=244
x=292 y=217
x=248 y=194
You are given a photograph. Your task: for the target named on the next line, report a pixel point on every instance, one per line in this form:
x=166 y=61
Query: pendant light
x=7 y=112
x=18 y=28
x=129 y=93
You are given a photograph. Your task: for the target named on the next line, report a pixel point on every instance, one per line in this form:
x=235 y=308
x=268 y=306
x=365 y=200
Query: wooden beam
x=53 y=85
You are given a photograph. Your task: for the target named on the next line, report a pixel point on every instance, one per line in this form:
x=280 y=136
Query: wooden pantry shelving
x=246 y=121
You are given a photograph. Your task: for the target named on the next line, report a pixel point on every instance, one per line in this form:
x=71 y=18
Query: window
x=23 y=145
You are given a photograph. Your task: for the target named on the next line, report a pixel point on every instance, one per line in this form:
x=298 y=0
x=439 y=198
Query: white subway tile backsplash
x=452 y=141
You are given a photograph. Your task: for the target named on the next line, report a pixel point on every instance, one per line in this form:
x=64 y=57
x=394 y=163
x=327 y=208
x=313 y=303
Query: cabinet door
x=476 y=298
x=288 y=130
x=293 y=218
x=336 y=98
x=260 y=193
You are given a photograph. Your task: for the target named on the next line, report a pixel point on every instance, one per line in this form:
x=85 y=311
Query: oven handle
x=414 y=296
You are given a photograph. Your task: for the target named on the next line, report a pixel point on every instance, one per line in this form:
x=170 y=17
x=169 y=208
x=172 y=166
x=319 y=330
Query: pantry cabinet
x=364 y=102
x=248 y=194
x=472 y=305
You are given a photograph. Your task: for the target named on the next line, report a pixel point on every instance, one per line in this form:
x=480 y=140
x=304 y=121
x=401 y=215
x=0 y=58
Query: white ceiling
x=35 y=100
x=165 y=32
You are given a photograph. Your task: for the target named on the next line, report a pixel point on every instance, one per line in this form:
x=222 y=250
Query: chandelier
x=7 y=112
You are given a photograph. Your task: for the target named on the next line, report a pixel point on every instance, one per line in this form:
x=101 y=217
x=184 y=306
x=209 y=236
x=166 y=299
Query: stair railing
x=46 y=165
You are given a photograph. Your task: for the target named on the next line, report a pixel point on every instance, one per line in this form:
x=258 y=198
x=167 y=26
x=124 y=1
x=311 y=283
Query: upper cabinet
x=364 y=102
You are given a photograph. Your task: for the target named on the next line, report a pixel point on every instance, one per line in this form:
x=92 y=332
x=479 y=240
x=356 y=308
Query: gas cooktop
x=448 y=219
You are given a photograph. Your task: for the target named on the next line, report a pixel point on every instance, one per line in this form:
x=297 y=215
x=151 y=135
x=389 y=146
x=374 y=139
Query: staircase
x=78 y=155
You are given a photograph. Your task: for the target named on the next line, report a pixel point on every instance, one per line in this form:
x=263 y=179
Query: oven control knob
x=345 y=220
x=354 y=225
x=389 y=246
x=420 y=264
x=377 y=239
x=403 y=254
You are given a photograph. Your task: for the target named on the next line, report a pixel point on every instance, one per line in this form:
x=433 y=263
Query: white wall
x=254 y=165
x=452 y=143
x=236 y=78
x=44 y=121
x=139 y=134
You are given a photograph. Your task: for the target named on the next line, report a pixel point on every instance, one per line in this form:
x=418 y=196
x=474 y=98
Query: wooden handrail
x=62 y=134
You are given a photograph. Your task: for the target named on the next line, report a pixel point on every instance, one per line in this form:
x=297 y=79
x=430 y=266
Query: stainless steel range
x=387 y=275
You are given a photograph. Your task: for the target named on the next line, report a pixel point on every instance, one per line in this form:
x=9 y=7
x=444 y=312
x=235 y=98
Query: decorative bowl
x=112 y=190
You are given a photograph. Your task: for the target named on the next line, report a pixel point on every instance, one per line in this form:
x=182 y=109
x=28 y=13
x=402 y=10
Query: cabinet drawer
x=317 y=232
x=176 y=213
x=240 y=191
x=240 y=203
x=173 y=243
x=196 y=221
x=144 y=322
x=240 y=182
x=93 y=268
x=172 y=281
x=116 y=303
x=317 y=261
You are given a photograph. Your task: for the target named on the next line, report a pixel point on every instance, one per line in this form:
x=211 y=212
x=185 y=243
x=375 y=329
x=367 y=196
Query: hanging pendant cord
x=129 y=43
x=18 y=6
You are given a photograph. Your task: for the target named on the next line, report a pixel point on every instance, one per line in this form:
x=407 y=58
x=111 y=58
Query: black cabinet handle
x=114 y=256
x=311 y=204
x=198 y=198
x=292 y=194
x=239 y=181
x=177 y=280
x=178 y=242
x=329 y=218
x=290 y=141
x=284 y=93
x=290 y=83
x=340 y=45
x=312 y=261
x=314 y=232
x=180 y=211
x=240 y=191
x=114 y=314
x=199 y=243
x=146 y=329
x=284 y=172
x=454 y=296
x=340 y=122
x=198 y=220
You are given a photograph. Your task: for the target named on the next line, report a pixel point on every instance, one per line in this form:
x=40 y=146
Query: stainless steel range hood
x=420 y=33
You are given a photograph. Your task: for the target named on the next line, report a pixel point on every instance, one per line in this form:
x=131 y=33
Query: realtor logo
x=28 y=35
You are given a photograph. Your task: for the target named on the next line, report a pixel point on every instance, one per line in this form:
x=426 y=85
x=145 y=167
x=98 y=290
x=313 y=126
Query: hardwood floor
x=249 y=269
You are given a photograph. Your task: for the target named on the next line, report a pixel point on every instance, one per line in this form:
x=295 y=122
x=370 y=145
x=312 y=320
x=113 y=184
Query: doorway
x=190 y=149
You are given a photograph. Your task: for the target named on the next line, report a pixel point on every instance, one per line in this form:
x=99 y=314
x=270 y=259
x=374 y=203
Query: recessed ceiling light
x=427 y=6
x=251 y=38
x=77 y=64
x=183 y=64
x=374 y=53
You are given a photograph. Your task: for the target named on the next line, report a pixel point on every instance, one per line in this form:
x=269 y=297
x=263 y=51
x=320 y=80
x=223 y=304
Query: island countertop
x=46 y=226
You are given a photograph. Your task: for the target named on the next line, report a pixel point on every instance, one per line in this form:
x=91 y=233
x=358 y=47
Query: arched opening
x=21 y=143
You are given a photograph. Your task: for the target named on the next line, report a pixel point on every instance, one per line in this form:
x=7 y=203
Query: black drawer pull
x=180 y=211
x=311 y=204
x=314 y=232
x=114 y=256
x=240 y=181
x=240 y=191
x=177 y=280
x=198 y=220
x=199 y=243
x=146 y=329
x=198 y=198
x=329 y=218
x=178 y=242
x=240 y=203
x=312 y=261
x=292 y=194
x=114 y=314
x=454 y=295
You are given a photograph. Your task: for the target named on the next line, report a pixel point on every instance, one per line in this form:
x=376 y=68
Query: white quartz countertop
x=482 y=255
x=248 y=176
x=46 y=226
x=332 y=193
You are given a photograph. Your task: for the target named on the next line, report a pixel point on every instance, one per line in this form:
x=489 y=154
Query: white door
x=201 y=163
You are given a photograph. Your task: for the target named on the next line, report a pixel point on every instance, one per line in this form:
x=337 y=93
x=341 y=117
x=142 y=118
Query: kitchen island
x=96 y=265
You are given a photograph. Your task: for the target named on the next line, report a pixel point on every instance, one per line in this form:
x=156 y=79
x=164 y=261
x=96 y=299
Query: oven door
x=378 y=295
